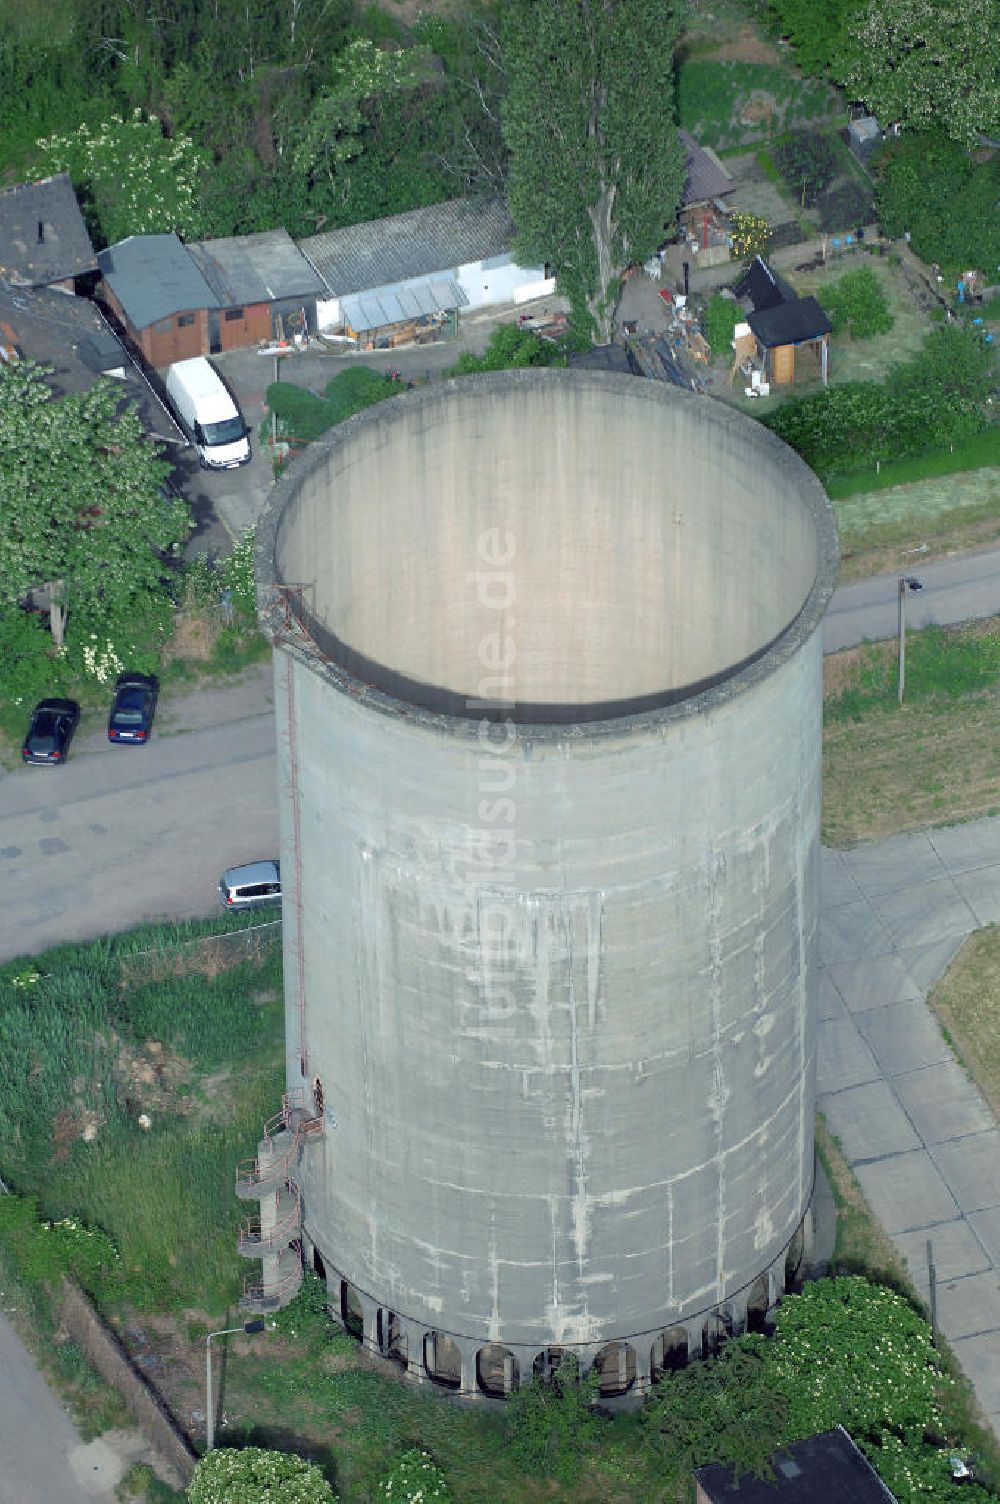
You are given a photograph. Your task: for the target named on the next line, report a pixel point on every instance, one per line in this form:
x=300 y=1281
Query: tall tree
x=82 y=508
x=932 y=63
x=596 y=167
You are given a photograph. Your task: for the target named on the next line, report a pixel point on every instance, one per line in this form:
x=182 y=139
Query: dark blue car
x=132 y=710
x=50 y=731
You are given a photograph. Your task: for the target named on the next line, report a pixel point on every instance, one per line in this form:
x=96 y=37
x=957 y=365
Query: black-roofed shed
x=762 y=285
x=787 y=328
x=156 y=292
x=823 y=1469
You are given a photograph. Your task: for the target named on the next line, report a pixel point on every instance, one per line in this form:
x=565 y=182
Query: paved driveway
x=121 y=835
x=920 y=1139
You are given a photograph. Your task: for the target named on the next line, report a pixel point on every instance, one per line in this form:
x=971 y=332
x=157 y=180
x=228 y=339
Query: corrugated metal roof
x=383 y=252
x=260 y=268
x=706 y=176
x=394 y=305
x=152 y=276
x=47 y=208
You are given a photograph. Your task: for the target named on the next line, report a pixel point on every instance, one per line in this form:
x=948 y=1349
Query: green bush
x=934 y=401
x=856 y=304
x=29 y=667
x=509 y=348
x=304 y=416
x=931 y=187
x=721 y=317
x=551 y=1425
x=415 y=1478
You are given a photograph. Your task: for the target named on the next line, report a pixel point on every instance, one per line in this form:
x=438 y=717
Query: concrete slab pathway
x=923 y=1144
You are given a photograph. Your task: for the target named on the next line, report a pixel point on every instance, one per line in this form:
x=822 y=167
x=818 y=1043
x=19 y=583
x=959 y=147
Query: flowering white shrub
x=254 y=1475
x=137 y=180
x=415 y=1478
x=101 y=664
x=27 y=978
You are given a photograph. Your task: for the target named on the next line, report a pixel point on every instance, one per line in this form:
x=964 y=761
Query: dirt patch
x=888 y=559
x=839 y=671
x=150 y=1079
x=748 y=46
x=967 y=1001
x=194 y=636
x=862 y=1245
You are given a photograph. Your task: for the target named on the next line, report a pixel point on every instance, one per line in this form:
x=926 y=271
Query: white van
x=208 y=414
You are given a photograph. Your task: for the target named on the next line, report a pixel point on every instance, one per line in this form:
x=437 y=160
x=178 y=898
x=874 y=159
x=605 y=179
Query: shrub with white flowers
x=255 y=1475
x=132 y=177
x=101 y=663
x=415 y=1478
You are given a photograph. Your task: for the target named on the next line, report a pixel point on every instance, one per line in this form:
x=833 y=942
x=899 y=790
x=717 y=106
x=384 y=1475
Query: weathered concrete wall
x=557 y=974
x=106 y=1354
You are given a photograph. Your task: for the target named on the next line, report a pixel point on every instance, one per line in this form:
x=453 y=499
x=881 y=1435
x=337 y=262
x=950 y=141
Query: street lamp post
x=906 y=583
x=248 y=1326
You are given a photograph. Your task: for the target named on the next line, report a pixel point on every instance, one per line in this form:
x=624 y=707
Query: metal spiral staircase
x=275 y=1235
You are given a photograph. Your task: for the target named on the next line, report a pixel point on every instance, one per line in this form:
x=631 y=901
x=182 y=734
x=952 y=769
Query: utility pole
x=248 y=1326
x=906 y=583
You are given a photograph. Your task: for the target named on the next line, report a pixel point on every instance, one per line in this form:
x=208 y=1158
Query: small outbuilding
x=823 y=1469
x=792 y=334
x=404 y=277
x=264 y=287
x=154 y=289
x=43 y=239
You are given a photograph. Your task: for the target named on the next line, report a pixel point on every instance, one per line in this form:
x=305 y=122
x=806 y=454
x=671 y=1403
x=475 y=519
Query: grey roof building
x=386 y=252
x=153 y=277
x=706 y=177
x=43 y=238
x=72 y=337
x=264 y=268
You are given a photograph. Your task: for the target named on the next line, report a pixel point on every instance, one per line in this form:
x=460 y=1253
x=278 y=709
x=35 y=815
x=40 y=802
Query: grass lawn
x=881 y=530
x=967 y=1001
x=869 y=359
x=933 y=760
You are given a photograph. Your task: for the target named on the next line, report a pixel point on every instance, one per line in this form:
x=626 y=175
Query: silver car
x=248 y=887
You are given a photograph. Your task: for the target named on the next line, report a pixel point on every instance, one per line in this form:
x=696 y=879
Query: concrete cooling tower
x=548 y=687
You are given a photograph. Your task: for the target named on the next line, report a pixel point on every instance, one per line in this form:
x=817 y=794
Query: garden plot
x=729 y=103
x=869 y=359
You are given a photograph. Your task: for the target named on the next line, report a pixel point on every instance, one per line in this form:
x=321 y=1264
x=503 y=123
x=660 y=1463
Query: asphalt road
x=42 y=1457
x=125 y=834
x=954 y=590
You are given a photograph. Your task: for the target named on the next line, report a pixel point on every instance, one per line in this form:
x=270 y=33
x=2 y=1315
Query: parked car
x=248 y=887
x=50 y=731
x=206 y=411
x=132 y=709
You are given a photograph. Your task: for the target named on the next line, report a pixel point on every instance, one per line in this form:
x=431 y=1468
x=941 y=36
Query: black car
x=132 y=708
x=50 y=731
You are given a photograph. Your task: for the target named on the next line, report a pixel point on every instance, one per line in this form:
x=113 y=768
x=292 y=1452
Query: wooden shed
x=793 y=341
